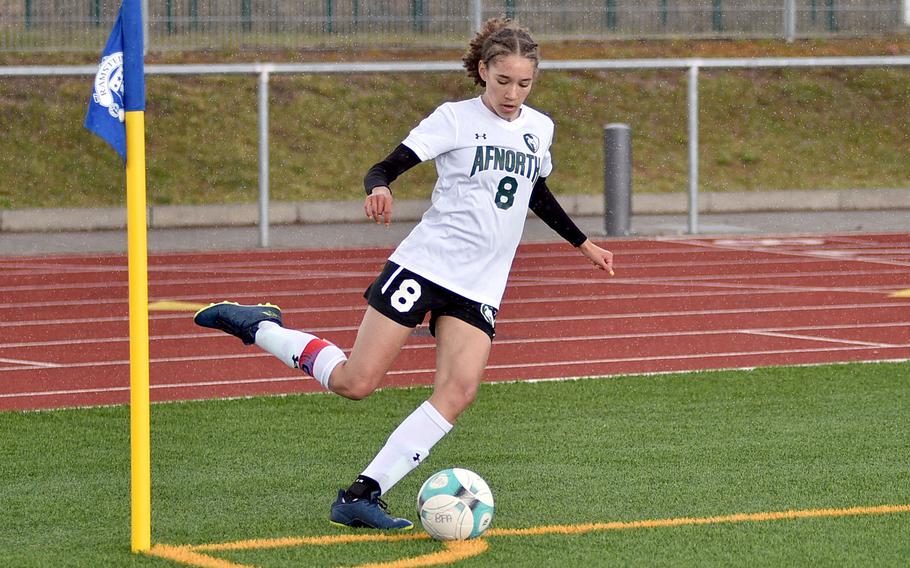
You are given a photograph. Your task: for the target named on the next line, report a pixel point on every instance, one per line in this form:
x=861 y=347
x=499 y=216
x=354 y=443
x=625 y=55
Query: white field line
x=561 y=339
x=636 y=315
x=547 y=364
x=822 y=339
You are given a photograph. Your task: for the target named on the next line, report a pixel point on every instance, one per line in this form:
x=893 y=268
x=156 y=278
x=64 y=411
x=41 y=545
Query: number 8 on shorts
x=404 y=297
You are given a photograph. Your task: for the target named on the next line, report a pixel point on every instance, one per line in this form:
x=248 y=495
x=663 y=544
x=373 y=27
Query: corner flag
x=120 y=81
x=116 y=113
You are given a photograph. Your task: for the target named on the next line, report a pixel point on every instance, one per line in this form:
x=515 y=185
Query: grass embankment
x=630 y=448
x=766 y=129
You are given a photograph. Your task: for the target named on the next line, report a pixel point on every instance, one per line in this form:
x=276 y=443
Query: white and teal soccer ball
x=455 y=504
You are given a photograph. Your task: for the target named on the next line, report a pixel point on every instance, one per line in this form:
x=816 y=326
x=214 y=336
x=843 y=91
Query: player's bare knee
x=356 y=391
x=354 y=387
x=469 y=394
x=461 y=396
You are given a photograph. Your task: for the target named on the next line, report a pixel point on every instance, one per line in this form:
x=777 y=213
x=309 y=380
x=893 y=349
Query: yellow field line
x=307 y=540
x=184 y=555
x=192 y=555
x=454 y=551
x=901 y=294
x=685 y=521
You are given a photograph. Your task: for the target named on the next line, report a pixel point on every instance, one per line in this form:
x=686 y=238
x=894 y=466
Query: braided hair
x=498 y=37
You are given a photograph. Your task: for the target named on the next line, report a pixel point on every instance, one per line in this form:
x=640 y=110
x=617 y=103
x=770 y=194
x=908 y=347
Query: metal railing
x=264 y=70
x=82 y=25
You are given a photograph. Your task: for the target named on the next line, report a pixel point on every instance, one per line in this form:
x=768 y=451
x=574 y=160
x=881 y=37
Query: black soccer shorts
x=406 y=297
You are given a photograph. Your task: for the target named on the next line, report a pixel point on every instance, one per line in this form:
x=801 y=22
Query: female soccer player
x=492 y=155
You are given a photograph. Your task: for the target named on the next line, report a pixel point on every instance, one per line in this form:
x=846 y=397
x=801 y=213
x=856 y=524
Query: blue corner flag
x=120 y=81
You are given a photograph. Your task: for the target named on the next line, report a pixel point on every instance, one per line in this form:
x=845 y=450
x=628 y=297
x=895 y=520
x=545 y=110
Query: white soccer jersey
x=487 y=167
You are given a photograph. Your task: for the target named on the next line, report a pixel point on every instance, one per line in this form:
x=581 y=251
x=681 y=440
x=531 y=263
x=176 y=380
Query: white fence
x=81 y=25
x=264 y=70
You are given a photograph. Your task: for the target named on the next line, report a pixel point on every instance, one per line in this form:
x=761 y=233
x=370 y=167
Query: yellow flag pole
x=137 y=245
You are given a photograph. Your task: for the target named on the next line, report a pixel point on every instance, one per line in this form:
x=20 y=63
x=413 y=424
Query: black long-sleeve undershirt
x=543 y=203
x=385 y=172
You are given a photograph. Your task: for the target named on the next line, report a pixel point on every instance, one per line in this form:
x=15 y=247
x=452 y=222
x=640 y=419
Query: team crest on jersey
x=109 y=84
x=532 y=141
x=489 y=313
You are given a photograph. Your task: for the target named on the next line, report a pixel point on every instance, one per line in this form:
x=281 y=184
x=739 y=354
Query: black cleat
x=239 y=321
x=369 y=513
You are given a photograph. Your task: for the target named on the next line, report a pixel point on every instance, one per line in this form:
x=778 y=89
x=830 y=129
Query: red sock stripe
x=310 y=352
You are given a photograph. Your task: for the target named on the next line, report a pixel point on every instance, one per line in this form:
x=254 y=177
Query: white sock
x=408 y=446
x=286 y=344
x=299 y=350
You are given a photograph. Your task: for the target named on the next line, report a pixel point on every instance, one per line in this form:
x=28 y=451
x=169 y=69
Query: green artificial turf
x=591 y=451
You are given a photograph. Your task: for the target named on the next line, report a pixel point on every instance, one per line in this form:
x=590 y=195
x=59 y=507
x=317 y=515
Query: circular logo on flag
x=109 y=84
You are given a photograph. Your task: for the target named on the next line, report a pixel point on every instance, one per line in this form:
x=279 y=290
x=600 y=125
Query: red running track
x=675 y=304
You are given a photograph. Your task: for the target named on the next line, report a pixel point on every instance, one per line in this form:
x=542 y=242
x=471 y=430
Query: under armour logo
x=296 y=360
x=417 y=457
x=479 y=136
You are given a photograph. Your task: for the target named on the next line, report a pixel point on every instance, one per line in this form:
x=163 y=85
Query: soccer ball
x=455 y=504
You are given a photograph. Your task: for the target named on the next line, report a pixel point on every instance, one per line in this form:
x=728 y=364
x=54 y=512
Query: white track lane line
x=271 y=270
x=517 y=273
x=122 y=362
x=816 y=338
x=262 y=354
x=733 y=354
x=162 y=386
x=604 y=337
x=667 y=358
x=806 y=252
x=681 y=313
x=726 y=289
x=636 y=315
x=53 y=268
x=32 y=364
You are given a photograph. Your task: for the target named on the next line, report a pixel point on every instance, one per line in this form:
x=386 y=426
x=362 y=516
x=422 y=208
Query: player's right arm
x=378 y=204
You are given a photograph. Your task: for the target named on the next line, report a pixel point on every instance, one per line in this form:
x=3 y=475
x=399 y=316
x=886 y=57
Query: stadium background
x=689 y=445
x=212 y=24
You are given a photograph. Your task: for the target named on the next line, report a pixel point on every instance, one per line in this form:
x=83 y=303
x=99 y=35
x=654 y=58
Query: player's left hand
x=378 y=205
x=600 y=258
